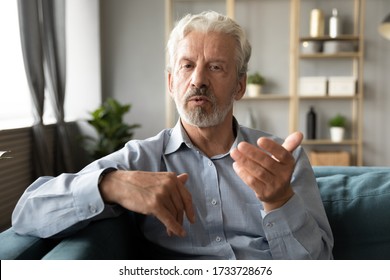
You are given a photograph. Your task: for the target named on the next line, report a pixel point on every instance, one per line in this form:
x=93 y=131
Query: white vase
x=337 y=134
x=253 y=90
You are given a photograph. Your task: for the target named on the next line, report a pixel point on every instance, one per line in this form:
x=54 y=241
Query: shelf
x=327 y=97
x=329 y=142
x=333 y=55
x=267 y=97
x=327 y=38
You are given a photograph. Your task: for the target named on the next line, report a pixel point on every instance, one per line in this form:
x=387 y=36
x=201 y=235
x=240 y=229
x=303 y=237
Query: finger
x=254 y=160
x=169 y=232
x=293 y=141
x=248 y=154
x=277 y=151
x=171 y=213
x=251 y=181
x=242 y=173
x=169 y=221
x=175 y=204
x=186 y=198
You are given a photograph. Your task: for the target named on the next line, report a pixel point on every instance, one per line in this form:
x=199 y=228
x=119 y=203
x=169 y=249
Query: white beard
x=198 y=116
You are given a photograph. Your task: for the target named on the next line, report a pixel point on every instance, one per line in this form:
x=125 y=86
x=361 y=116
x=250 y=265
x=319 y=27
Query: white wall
x=133 y=68
x=83 y=88
x=377 y=87
x=133 y=60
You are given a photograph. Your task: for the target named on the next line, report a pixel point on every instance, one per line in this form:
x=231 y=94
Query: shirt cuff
x=87 y=198
x=284 y=220
x=104 y=173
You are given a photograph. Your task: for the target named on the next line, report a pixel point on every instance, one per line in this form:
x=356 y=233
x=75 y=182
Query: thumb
x=183 y=178
x=293 y=141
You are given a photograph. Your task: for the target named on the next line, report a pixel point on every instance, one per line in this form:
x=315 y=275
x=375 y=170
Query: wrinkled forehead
x=211 y=46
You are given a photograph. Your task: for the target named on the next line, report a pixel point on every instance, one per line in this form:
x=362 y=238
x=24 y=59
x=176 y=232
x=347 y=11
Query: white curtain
x=42 y=31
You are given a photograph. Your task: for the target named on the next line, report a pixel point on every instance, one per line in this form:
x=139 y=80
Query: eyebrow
x=217 y=60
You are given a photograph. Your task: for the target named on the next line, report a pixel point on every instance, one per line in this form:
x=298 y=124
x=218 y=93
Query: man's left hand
x=268 y=170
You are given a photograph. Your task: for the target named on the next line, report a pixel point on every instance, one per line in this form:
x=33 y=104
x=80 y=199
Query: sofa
x=356 y=200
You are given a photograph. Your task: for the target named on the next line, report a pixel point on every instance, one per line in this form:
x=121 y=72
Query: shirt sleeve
x=300 y=228
x=52 y=204
x=63 y=204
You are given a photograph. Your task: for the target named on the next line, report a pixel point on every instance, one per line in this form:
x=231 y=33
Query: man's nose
x=199 y=78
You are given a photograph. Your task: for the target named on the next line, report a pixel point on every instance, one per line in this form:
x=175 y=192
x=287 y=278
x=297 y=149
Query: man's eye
x=215 y=67
x=186 y=66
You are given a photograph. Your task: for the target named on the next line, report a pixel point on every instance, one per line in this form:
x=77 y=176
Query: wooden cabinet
x=277 y=30
x=349 y=62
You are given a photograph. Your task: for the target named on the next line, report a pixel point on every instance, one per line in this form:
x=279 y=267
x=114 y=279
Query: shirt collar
x=178 y=137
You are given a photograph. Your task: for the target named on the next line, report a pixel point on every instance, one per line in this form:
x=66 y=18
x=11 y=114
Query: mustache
x=202 y=92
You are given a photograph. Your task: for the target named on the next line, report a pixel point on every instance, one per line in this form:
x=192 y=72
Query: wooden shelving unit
x=355 y=143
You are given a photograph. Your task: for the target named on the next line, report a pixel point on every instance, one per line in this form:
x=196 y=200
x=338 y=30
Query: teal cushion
x=103 y=239
x=17 y=247
x=358 y=209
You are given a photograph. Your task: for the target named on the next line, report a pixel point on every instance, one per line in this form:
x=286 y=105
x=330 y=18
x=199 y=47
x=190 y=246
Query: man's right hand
x=161 y=194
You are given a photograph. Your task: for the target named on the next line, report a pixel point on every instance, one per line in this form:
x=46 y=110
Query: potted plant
x=112 y=132
x=337 y=128
x=255 y=82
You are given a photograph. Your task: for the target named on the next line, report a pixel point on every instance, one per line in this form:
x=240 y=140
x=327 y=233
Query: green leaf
x=112 y=132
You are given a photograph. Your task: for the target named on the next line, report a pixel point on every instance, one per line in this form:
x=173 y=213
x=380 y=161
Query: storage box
x=311 y=47
x=332 y=47
x=312 y=86
x=340 y=158
x=345 y=86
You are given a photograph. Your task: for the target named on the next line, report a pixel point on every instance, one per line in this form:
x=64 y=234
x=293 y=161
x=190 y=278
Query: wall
x=377 y=87
x=133 y=59
x=83 y=87
x=132 y=33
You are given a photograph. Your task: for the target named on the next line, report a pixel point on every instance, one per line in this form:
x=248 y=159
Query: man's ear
x=170 y=82
x=241 y=88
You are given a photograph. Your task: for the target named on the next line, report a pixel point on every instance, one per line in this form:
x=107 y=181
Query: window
x=15 y=97
x=83 y=86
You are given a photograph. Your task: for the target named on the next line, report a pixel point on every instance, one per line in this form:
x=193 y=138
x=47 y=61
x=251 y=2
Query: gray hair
x=211 y=21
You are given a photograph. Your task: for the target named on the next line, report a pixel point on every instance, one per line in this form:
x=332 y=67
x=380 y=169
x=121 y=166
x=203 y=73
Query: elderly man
x=207 y=188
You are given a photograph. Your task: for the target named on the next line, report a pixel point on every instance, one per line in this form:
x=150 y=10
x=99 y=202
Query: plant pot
x=253 y=90
x=337 y=134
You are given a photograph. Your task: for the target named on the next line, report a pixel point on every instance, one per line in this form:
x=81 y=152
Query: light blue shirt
x=230 y=221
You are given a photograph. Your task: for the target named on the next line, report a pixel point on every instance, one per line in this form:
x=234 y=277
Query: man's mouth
x=199 y=100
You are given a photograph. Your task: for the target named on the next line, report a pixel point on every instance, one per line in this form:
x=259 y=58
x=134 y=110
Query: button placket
x=216 y=227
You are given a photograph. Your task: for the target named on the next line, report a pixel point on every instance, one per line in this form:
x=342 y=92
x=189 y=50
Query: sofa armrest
x=112 y=238
x=17 y=247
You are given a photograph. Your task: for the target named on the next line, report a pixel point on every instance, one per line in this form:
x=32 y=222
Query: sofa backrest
x=357 y=203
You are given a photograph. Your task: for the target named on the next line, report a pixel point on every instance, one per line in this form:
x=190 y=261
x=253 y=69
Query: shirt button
x=210 y=163
x=218 y=239
x=214 y=202
x=92 y=208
